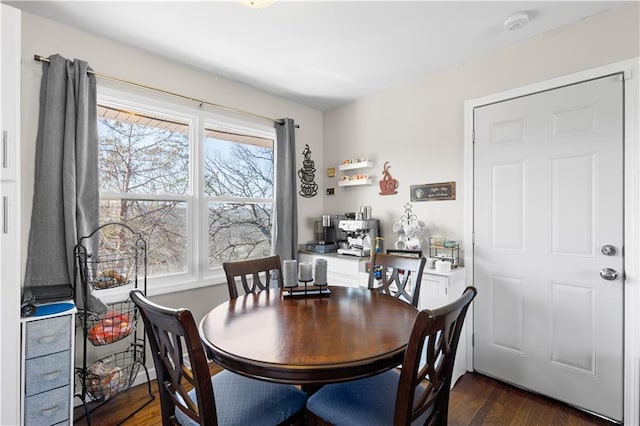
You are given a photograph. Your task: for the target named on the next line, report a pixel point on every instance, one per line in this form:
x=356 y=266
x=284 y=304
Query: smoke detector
x=516 y=21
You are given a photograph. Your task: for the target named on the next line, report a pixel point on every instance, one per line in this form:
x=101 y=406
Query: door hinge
x=473 y=340
x=473 y=239
x=473 y=136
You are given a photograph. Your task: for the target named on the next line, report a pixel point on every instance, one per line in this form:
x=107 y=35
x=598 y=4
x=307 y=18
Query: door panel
x=547 y=196
x=507 y=312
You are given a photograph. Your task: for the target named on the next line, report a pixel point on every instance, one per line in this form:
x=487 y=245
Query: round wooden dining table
x=353 y=333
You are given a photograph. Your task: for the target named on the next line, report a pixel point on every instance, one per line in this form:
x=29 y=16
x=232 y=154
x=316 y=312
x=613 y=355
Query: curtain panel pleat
x=285 y=223
x=66 y=196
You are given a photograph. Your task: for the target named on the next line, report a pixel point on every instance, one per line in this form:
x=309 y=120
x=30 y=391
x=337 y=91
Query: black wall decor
x=308 y=186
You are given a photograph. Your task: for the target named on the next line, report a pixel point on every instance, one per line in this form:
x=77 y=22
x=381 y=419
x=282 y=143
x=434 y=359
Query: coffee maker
x=361 y=236
x=326 y=236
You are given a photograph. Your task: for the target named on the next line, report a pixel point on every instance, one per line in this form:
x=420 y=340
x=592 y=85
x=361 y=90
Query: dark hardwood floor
x=475 y=400
x=480 y=400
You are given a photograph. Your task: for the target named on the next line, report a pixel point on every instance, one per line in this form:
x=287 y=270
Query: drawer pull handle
x=4 y=149
x=51 y=376
x=5 y=215
x=49 y=411
x=47 y=339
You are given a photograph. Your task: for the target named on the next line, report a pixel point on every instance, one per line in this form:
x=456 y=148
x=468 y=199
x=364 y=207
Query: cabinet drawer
x=47 y=372
x=342 y=280
x=48 y=408
x=344 y=266
x=48 y=336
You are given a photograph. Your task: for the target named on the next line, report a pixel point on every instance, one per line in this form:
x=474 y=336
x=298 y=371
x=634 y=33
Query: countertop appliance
x=361 y=236
x=327 y=235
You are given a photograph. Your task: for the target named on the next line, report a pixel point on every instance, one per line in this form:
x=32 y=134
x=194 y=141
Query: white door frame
x=631 y=70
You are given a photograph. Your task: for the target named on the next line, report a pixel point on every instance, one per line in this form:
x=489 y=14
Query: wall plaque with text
x=433 y=191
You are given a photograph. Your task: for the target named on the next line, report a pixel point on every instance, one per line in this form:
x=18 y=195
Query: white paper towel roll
x=290 y=273
x=320 y=272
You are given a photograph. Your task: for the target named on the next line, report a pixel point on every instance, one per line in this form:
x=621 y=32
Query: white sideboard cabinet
x=47 y=369
x=347 y=271
x=438 y=289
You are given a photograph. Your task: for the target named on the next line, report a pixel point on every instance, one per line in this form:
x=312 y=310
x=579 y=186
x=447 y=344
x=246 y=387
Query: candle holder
x=306 y=283
x=306 y=290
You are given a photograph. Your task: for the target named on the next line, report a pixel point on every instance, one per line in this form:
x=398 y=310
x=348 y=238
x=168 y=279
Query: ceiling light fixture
x=257 y=4
x=516 y=21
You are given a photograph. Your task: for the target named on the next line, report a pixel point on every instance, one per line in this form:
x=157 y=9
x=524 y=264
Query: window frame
x=198 y=274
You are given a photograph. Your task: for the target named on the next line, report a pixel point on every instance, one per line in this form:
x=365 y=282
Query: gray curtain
x=65 y=199
x=285 y=223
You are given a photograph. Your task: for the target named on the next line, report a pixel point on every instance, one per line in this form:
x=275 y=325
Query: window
x=199 y=187
x=238 y=188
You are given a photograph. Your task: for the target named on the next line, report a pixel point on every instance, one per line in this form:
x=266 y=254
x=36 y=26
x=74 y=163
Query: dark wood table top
x=351 y=334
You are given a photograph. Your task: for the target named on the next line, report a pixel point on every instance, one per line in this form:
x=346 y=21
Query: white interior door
x=548 y=196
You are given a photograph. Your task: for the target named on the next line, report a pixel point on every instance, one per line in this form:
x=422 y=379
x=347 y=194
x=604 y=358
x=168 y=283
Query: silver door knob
x=608 y=250
x=608 y=274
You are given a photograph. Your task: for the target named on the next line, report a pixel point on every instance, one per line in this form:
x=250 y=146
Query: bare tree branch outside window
x=136 y=159
x=238 y=229
x=144 y=164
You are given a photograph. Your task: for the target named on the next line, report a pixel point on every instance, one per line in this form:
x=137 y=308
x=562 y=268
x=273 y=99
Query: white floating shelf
x=352 y=166
x=354 y=182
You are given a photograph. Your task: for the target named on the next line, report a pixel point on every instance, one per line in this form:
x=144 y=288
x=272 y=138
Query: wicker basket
x=108 y=376
x=115 y=324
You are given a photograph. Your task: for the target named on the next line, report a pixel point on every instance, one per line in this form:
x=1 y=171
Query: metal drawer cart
x=111 y=260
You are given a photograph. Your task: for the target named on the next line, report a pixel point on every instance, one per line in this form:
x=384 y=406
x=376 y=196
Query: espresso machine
x=361 y=236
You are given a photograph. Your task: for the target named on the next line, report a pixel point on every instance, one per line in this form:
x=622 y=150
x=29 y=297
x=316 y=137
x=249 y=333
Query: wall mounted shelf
x=354 y=182
x=353 y=166
x=355 y=179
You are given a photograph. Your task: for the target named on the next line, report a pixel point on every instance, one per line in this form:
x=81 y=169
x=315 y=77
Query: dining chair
x=253 y=274
x=188 y=393
x=416 y=394
x=401 y=276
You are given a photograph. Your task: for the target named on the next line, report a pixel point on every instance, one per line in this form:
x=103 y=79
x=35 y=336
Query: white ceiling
x=317 y=53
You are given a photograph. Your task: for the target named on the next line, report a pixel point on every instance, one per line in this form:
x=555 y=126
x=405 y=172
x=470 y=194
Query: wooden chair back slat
x=172 y=335
x=401 y=276
x=253 y=274
x=439 y=330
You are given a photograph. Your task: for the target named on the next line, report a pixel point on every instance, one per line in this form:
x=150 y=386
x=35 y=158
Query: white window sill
x=161 y=285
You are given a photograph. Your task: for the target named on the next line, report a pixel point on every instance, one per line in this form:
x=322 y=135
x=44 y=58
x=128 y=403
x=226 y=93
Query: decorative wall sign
x=434 y=191
x=331 y=172
x=307 y=174
x=331 y=191
x=388 y=184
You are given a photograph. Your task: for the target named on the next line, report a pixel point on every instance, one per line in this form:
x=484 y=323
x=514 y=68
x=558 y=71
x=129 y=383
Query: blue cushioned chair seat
x=367 y=402
x=244 y=402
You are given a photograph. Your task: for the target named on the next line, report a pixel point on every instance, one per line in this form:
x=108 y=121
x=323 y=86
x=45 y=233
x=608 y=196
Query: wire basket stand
x=112 y=256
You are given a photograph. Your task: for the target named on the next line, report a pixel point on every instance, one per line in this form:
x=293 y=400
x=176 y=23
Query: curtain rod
x=40 y=58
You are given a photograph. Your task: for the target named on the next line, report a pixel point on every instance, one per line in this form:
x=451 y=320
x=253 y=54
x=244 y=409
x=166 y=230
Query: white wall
x=419 y=127
x=45 y=37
